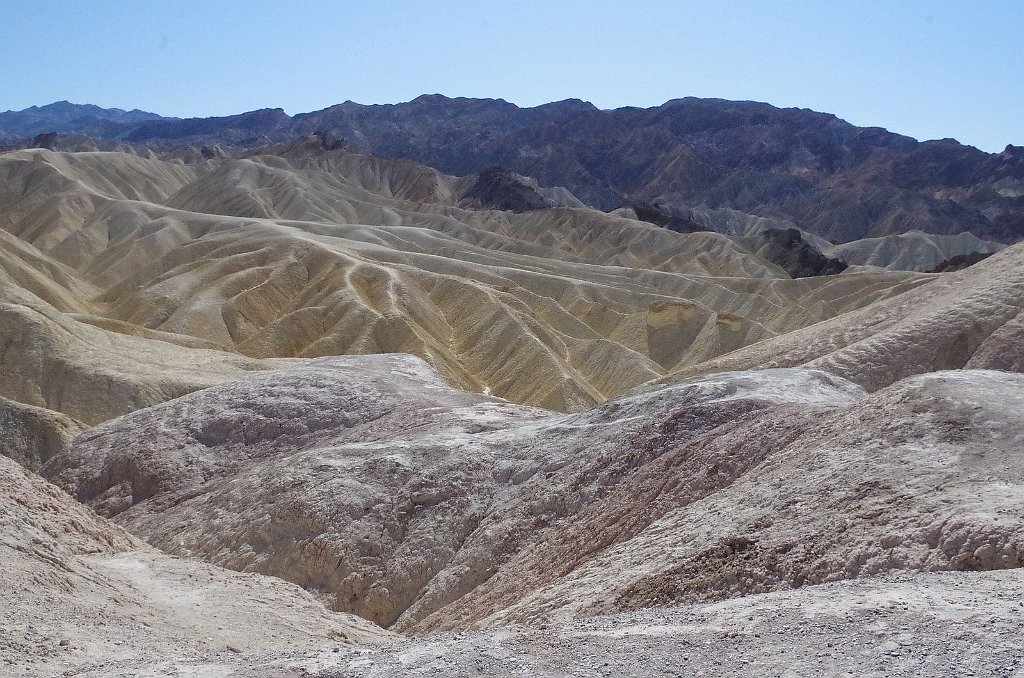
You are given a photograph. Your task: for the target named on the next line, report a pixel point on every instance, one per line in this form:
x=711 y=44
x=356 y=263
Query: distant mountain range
x=66 y=117
x=812 y=170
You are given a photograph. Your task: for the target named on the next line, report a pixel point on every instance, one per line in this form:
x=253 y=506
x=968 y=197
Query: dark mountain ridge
x=68 y=118
x=813 y=170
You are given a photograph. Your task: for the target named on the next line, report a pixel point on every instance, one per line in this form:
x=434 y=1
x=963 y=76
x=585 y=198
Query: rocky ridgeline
x=812 y=169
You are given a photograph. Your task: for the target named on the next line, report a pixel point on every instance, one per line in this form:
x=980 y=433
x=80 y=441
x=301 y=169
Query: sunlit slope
x=967 y=319
x=299 y=252
x=911 y=251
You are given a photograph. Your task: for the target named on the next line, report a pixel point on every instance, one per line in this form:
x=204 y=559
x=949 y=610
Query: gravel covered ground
x=935 y=624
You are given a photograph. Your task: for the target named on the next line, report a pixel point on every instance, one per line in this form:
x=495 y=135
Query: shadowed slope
x=33 y=434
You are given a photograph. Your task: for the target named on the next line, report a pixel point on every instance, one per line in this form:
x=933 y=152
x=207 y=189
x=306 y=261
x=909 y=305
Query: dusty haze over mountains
x=460 y=387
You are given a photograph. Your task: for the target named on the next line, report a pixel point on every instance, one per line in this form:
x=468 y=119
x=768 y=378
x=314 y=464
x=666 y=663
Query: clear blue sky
x=929 y=69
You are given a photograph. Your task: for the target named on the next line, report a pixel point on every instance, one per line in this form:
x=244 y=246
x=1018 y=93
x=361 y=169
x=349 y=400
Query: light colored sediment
x=53 y=361
x=967 y=319
x=76 y=589
x=31 y=435
x=910 y=251
x=301 y=252
x=369 y=481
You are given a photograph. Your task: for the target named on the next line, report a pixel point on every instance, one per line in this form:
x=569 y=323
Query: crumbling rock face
x=371 y=483
x=926 y=475
x=76 y=588
x=655 y=214
x=960 y=261
x=351 y=477
x=31 y=435
x=788 y=249
x=501 y=189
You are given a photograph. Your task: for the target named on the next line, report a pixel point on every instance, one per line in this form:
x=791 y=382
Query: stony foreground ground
x=938 y=624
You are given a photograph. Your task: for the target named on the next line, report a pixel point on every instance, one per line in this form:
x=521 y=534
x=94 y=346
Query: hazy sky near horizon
x=928 y=69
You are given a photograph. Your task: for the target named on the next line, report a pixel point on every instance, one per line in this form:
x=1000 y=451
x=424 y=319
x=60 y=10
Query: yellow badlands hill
x=141 y=279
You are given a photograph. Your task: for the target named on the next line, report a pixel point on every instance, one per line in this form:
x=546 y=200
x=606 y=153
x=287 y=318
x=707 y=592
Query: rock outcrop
x=76 y=589
x=501 y=189
x=960 y=261
x=395 y=497
x=787 y=249
x=31 y=435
